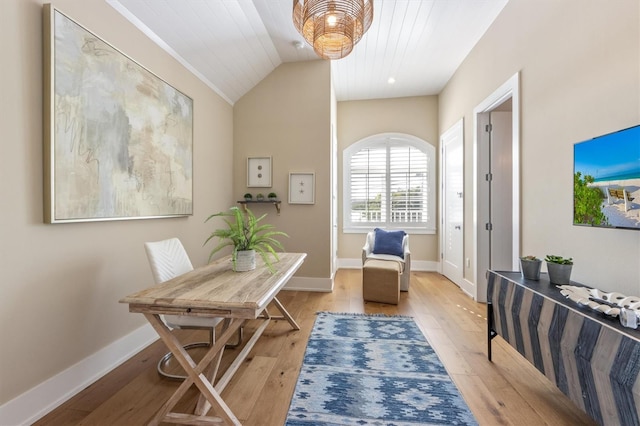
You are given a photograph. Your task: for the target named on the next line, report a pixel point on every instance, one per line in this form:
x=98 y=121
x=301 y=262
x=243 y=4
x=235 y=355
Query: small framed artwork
x=302 y=188
x=259 y=172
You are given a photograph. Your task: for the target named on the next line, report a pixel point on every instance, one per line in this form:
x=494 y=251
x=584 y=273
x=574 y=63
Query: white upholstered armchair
x=404 y=258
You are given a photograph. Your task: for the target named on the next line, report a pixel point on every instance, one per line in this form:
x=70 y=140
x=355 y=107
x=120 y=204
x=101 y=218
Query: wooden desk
x=214 y=290
x=591 y=358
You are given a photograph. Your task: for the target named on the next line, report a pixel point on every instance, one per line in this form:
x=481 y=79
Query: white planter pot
x=245 y=261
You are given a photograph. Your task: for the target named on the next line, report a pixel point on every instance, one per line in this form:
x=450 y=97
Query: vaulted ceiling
x=233 y=44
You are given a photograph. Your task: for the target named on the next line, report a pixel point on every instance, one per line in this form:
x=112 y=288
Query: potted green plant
x=247 y=236
x=260 y=197
x=559 y=269
x=248 y=197
x=530 y=267
x=272 y=196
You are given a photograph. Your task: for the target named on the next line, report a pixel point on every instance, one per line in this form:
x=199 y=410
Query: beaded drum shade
x=332 y=27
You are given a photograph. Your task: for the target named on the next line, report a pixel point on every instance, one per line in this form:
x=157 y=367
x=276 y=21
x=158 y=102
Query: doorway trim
x=509 y=89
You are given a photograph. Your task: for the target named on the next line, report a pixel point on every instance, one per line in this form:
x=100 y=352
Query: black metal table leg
x=491 y=333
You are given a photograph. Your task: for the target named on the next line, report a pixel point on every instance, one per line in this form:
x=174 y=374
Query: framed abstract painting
x=118 y=140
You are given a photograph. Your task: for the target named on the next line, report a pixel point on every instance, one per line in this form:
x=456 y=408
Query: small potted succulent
x=559 y=269
x=260 y=197
x=248 y=197
x=530 y=267
x=272 y=196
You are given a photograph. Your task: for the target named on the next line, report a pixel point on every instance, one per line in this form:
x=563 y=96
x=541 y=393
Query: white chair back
x=168 y=259
x=371 y=239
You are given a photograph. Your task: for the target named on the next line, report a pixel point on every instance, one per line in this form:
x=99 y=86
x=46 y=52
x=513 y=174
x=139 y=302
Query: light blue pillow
x=388 y=242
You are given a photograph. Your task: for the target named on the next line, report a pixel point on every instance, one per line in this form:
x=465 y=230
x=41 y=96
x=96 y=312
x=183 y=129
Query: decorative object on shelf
x=332 y=27
x=248 y=197
x=608 y=303
x=302 y=188
x=530 y=267
x=244 y=233
x=260 y=197
x=272 y=196
x=96 y=164
x=559 y=269
x=259 y=172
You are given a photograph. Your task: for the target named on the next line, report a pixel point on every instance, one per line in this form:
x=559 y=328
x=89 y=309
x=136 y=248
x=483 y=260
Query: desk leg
x=212 y=369
x=194 y=376
x=210 y=372
x=203 y=403
x=285 y=314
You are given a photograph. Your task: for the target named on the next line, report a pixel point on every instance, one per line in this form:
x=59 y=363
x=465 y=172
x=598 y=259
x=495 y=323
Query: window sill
x=410 y=231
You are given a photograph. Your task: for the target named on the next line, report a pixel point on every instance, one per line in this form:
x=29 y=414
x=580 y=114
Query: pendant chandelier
x=332 y=27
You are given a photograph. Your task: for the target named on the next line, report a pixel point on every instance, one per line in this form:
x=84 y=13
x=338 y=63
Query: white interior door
x=495 y=193
x=452 y=218
x=501 y=191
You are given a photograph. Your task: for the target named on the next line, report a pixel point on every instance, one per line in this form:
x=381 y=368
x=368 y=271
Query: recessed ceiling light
x=391 y=80
x=298 y=44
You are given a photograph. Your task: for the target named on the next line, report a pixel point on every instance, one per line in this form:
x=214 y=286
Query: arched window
x=389 y=182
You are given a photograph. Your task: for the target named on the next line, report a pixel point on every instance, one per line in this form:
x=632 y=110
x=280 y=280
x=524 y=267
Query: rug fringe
x=359 y=314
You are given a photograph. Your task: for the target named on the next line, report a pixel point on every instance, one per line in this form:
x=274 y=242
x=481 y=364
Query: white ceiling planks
x=233 y=44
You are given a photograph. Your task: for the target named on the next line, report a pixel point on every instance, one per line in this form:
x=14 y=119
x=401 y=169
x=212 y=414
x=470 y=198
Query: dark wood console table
x=590 y=357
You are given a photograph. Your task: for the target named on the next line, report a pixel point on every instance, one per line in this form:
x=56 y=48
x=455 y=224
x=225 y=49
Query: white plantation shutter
x=388 y=182
x=368 y=176
x=409 y=189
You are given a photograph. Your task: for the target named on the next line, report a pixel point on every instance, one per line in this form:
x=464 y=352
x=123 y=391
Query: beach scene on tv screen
x=607 y=180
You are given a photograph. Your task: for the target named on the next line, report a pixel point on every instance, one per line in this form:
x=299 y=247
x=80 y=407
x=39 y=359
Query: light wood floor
x=503 y=392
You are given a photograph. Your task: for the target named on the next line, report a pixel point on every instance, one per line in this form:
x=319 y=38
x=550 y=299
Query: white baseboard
x=416 y=265
x=310 y=284
x=425 y=265
x=35 y=403
x=350 y=263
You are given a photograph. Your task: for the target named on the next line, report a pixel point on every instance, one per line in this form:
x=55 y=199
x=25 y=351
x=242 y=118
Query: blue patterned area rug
x=373 y=370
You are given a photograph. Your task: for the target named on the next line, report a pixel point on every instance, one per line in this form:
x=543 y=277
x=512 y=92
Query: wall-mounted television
x=606 y=180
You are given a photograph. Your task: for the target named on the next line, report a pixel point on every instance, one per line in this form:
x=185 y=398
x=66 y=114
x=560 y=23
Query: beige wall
x=61 y=283
x=288 y=116
x=416 y=116
x=580 y=77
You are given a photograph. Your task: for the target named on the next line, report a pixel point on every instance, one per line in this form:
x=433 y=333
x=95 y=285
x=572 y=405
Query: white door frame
x=510 y=89
x=334 y=202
